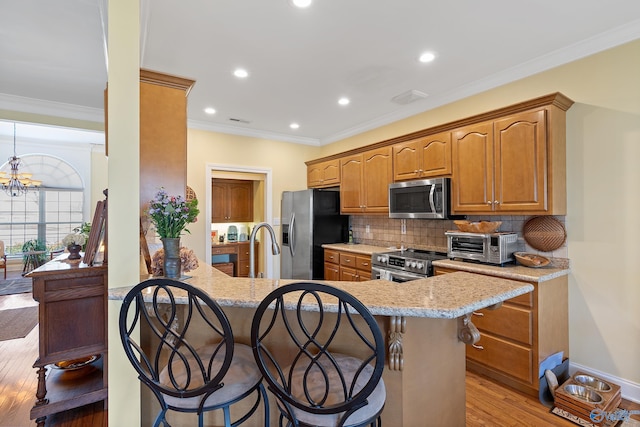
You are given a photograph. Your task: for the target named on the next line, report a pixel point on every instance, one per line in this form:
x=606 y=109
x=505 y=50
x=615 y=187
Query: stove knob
x=420 y=265
x=413 y=264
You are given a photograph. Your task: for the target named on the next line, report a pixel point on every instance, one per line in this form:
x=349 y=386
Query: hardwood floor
x=488 y=403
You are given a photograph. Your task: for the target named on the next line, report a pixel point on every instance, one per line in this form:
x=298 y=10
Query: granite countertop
x=444 y=297
x=509 y=271
x=356 y=248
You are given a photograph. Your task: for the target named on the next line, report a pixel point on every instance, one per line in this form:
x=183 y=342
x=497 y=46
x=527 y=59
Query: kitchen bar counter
x=442 y=297
x=422 y=321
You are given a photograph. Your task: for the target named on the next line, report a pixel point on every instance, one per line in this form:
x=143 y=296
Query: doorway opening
x=261 y=179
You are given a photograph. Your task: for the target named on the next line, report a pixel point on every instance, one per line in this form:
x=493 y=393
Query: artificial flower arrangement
x=171 y=214
x=74 y=239
x=188 y=260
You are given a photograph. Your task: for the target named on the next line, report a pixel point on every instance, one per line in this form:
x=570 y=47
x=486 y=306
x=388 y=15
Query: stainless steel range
x=404 y=265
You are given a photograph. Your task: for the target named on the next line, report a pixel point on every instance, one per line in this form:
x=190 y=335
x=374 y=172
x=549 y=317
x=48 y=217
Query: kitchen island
x=422 y=320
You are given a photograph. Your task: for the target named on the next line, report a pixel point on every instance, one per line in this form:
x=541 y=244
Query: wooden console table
x=72 y=318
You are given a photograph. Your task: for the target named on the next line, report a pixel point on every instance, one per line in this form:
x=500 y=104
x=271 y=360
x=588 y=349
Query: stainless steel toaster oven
x=489 y=248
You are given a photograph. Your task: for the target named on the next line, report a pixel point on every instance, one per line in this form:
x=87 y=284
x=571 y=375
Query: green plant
x=171 y=214
x=35 y=245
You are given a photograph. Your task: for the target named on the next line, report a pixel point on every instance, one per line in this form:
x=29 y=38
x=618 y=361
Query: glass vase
x=171 y=264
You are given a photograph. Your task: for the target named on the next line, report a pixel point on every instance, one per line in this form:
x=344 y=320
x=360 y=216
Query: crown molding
x=50 y=108
x=254 y=133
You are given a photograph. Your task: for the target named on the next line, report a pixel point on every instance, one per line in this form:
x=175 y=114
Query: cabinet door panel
x=377 y=175
x=405 y=161
x=351 y=186
x=331 y=272
x=436 y=155
x=331 y=172
x=240 y=201
x=472 y=186
x=218 y=202
x=348 y=274
x=521 y=162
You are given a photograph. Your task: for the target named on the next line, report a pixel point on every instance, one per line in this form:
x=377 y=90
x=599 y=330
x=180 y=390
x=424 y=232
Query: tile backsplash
x=429 y=234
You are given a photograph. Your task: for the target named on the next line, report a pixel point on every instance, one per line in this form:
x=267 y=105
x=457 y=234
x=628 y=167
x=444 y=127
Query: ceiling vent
x=408 y=97
x=233 y=119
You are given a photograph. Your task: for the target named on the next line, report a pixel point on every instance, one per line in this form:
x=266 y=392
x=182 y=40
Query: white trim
x=630 y=390
x=254 y=133
x=268 y=204
x=50 y=108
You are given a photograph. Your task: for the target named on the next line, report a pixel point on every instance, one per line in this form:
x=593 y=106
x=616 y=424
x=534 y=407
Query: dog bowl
x=584 y=393
x=592 y=382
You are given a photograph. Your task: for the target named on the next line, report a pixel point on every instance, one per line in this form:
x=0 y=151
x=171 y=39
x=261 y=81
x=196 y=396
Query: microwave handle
x=431 y=198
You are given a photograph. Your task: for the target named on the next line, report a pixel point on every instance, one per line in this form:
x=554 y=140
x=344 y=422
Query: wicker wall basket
x=544 y=233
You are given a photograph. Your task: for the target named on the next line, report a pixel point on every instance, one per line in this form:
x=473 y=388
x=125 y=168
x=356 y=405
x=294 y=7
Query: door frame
x=267 y=207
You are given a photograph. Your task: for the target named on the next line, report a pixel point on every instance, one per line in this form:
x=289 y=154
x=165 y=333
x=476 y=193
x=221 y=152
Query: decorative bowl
x=531 y=260
x=72 y=365
x=477 y=227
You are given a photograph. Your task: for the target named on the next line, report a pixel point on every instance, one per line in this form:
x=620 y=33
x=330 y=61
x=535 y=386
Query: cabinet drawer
x=510 y=322
x=512 y=359
x=524 y=299
x=347 y=259
x=363 y=263
x=227 y=249
x=331 y=256
x=243 y=252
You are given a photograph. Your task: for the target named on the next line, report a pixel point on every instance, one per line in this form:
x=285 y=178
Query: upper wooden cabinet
x=422 y=158
x=324 y=174
x=231 y=200
x=365 y=182
x=503 y=166
x=509 y=161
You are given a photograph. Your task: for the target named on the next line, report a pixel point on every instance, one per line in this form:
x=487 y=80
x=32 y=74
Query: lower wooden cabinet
x=348 y=266
x=517 y=337
x=72 y=316
x=238 y=256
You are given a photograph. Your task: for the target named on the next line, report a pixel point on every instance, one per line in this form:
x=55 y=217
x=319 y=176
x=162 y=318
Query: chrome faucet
x=275 y=249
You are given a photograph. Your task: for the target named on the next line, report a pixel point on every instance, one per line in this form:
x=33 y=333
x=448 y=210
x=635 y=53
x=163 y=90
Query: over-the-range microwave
x=424 y=198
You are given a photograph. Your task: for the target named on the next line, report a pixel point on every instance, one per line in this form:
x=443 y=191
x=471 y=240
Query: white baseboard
x=629 y=390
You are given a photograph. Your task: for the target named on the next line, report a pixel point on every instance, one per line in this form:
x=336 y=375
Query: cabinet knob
x=489 y=202
x=495 y=202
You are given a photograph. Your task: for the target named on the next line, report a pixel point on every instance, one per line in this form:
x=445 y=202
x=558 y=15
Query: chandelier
x=16 y=184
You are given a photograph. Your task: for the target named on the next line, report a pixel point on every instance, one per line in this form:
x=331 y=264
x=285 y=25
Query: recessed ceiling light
x=427 y=57
x=210 y=110
x=343 y=101
x=301 y=3
x=241 y=73
x=294 y=126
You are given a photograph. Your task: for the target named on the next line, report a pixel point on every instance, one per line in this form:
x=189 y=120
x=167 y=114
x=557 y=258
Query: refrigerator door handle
x=292 y=234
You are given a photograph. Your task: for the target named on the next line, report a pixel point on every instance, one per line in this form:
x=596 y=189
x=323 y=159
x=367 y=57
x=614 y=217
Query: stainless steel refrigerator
x=310 y=218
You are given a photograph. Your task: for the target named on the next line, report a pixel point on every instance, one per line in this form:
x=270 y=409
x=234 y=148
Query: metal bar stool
x=185 y=374
x=333 y=377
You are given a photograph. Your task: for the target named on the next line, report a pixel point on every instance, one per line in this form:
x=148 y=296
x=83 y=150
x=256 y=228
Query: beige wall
x=286 y=161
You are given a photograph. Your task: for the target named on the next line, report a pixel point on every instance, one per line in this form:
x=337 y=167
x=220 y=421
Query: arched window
x=47 y=213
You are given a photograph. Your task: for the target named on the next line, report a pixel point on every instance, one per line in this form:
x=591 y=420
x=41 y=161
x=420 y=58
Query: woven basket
x=544 y=233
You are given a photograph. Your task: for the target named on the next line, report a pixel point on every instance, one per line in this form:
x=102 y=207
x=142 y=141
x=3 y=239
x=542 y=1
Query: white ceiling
x=301 y=60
